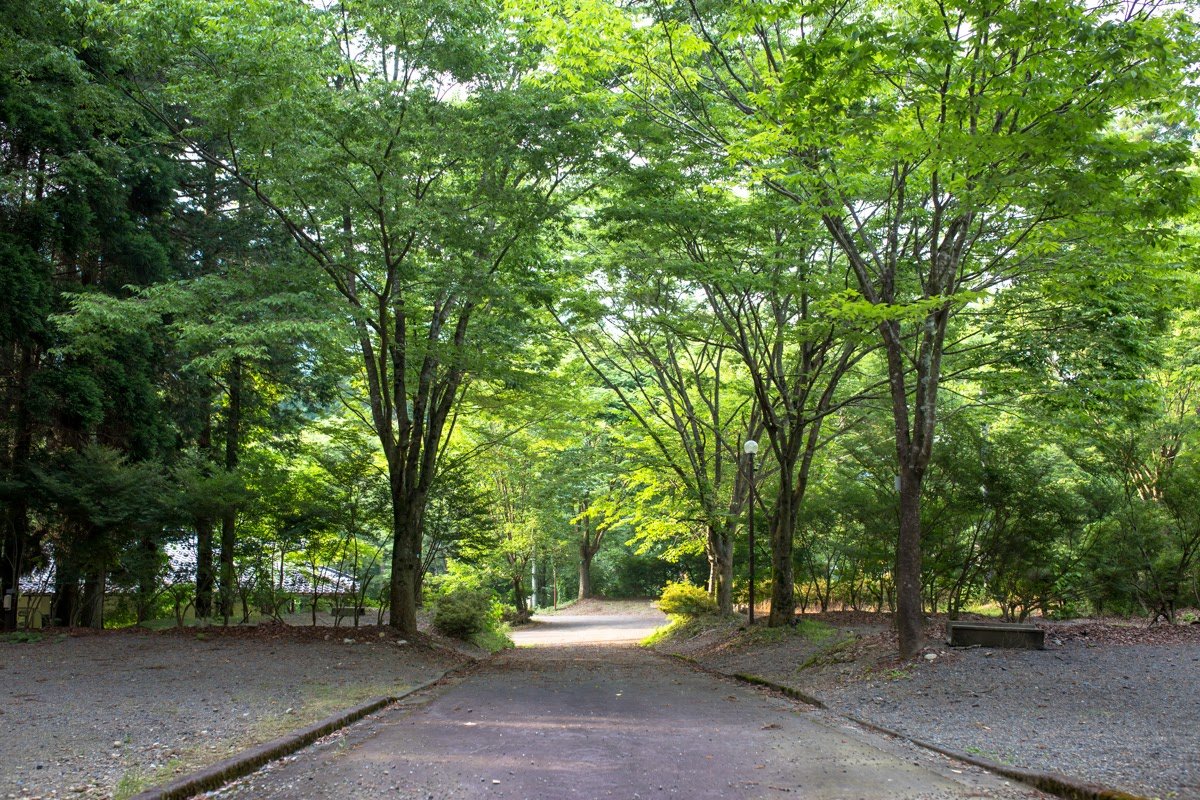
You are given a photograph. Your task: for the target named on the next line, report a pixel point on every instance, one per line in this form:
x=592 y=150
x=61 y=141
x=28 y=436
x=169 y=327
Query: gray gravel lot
x=100 y=715
x=1113 y=702
x=1125 y=716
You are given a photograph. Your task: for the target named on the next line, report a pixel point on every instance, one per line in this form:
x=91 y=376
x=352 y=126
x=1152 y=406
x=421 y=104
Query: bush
x=686 y=600
x=464 y=611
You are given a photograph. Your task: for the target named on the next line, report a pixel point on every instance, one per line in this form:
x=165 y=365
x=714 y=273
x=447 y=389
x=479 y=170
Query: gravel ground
x=99 y=715
x=1116 y=704
x=1126 y=716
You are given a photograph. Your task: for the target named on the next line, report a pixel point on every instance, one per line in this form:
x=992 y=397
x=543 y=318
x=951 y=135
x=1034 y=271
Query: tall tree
x=941 y=146
x=84 y=186
x=414 y=160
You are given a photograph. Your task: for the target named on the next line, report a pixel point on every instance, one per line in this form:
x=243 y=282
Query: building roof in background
x=182 y=559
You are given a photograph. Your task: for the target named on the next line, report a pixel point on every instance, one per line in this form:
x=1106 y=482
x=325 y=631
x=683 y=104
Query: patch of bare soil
x=1110 y=701
x=105 y=714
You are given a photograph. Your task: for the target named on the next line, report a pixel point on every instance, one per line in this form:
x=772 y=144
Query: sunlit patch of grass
x=675 y=626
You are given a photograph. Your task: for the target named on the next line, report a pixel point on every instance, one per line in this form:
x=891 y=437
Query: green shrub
x=686 y=600
x=464 y=611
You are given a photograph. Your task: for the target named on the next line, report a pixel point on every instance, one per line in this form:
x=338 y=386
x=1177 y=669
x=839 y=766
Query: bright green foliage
x=299 y=281
x=685 y=600
x=420 y=172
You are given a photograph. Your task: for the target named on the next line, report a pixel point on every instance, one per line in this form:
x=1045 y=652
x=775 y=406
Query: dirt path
x=595 y=721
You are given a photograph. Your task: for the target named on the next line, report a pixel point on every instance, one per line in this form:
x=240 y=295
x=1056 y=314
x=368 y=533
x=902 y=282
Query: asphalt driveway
x=608 y=720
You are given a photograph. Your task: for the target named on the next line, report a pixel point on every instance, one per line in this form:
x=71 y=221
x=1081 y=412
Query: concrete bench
x=995 y=634
x=348 y=611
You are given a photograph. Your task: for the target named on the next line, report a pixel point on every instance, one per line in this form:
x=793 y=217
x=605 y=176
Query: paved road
x=604 y=721
x=566 y=629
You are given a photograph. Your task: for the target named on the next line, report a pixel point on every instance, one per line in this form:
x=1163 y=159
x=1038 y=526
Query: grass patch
x=990 y=609
x=139 y=779
x=898 y=673
x=493 y=639
x=677 y=626
x=320 y=700
x=988 y=754
x=21 y=637
x=809 y=629
x=131 y=783
x=563 y=605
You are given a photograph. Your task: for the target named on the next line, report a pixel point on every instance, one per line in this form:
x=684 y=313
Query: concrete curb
x=236 y=766
x=1051 y=782
x=753 y=680
x=795 y=694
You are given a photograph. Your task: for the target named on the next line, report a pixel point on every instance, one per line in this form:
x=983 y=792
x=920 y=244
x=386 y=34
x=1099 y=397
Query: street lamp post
x=750 y=448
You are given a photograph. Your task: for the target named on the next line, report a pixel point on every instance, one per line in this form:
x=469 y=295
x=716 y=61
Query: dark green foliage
x=464 y=611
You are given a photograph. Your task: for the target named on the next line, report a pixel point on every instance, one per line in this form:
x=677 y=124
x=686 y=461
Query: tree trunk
x=519 y=593
x=585 y=573
x=406 y=567
x=909 y=613
x=93 y=600
x=588 y=547
x=783 y=579
x=16 y=525
x=720 y=565
x=205 y=579
x=233 y=424
x=16 y=520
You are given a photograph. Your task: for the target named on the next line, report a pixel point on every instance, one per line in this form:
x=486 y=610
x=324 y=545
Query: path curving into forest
x=562 y=718
x=575 y=629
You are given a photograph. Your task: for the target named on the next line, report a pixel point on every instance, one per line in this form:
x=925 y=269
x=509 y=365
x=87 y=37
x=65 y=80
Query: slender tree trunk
x=519 y=592
x=16 y=518
x=585 y=574
x=16 y=531
x=93 y=600
x=233 y=424
x=589 y=545
x=205 y=579
x=720 y=564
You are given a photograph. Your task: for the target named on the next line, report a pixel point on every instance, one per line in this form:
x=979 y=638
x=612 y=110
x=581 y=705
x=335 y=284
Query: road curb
x=744 y=677
x=241 y=764
x=795 y=694
x=1051 y=782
